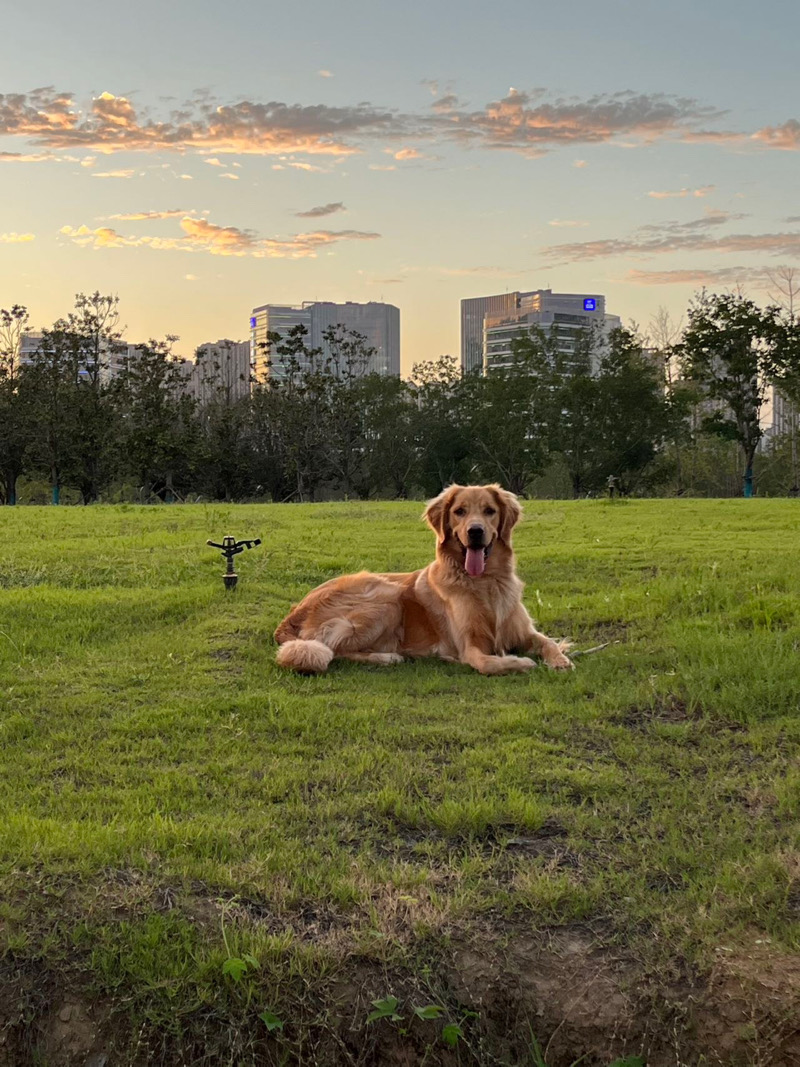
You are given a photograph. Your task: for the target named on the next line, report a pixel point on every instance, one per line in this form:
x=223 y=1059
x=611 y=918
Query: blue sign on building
x=590 y=304
x=252 y=324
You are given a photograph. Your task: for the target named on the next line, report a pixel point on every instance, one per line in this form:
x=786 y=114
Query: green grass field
x=206 y=860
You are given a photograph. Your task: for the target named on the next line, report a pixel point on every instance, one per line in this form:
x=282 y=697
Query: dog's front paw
x=560 y=663
x=517 y=663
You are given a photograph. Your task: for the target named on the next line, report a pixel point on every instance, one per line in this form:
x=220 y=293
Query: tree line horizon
x=678 y=413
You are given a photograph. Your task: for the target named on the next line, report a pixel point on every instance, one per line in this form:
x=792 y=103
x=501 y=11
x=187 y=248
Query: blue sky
x=449 y=149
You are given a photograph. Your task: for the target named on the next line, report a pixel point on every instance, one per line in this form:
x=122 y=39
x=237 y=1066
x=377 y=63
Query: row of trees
x=321 y=427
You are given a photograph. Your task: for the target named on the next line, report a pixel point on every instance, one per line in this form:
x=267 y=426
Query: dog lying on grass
x=464 y=607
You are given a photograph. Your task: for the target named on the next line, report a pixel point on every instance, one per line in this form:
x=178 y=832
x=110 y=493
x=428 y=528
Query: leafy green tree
x=290 y=418
x=344 y=377
x=74 y=416
x=443 y=417
x=731 y=348
x=786 y=362
x=225 y=468
x=572 y=405
x=509 y=417
x=159 y=436
x=96 y=344
x=16 y=428
x=390 y=413
x=53 y=377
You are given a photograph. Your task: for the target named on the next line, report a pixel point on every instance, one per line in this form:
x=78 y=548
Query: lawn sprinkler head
x=229 y=548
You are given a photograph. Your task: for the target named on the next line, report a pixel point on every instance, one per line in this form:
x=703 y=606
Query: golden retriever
x=466 y=606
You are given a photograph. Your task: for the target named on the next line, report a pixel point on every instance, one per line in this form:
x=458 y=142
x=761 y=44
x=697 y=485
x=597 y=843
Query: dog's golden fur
x=466 y=606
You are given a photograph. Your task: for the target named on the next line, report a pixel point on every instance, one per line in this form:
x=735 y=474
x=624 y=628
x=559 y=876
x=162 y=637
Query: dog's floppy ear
x=436 y=512
x=510 y=512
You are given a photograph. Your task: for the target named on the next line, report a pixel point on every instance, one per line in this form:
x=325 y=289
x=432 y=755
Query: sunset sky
x=199 y=159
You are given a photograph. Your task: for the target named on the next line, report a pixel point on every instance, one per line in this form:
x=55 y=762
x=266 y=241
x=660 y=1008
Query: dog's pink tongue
x=474 y=562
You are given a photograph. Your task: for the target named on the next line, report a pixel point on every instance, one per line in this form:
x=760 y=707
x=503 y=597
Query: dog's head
x=470 y=520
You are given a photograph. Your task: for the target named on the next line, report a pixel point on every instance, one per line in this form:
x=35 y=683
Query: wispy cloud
x=320 y=210
x=136 y=216
x=567 y=222
x=407 y=153
x=324 y=74
x=114 y=173
x=734 y=276
x=28 y=157
x=200 y=235
x=233 y=177
x=696 y=235
x=579 y=163
x=16 y=238
x=703 y=190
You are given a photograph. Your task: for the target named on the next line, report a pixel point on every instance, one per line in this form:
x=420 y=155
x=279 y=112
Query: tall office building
x=113 y=359
x=279 y=319
x=490 y=325
x=473 y=312
x=221 y=366
x=781 y=417
x=379 y=323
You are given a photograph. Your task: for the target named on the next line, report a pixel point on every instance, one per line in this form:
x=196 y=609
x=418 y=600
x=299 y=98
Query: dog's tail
x=305 y=657
x=298 y=654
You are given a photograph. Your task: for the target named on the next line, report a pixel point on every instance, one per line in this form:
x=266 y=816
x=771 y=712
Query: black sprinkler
x=230 y=547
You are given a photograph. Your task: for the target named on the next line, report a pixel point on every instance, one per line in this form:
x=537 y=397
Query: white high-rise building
x=113 y=360
x=269 y=319
x=490 y=325
x=378 y=323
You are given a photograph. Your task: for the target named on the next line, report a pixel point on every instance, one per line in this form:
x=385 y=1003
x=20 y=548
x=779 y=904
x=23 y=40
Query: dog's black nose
x=475 y=535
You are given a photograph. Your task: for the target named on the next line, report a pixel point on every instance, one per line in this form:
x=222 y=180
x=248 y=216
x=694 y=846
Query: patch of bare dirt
x=750 y=1010
x=573 y=988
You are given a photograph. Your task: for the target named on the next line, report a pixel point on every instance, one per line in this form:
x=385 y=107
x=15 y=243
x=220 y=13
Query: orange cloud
x=200 y=235
x=137 y=216
x=530 y=123
x=16 y=238
x=114 y=173
x=112 y=124
x=786 y=136
x=28 y=157
x=704 y=190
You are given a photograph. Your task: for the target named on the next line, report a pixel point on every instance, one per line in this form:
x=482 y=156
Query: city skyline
x=426 y=159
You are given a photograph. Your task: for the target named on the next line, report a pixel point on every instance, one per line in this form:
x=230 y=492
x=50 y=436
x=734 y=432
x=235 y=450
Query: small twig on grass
x=588 y=651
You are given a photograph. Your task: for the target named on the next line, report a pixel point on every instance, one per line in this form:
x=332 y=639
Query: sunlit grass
x=150 y=750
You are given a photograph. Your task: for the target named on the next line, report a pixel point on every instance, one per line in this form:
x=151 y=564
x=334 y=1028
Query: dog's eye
x=460 y=511
x=489 y=511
